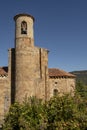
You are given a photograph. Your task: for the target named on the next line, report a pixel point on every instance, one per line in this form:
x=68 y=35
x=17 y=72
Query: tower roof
x=54 y=72
x=24 y=14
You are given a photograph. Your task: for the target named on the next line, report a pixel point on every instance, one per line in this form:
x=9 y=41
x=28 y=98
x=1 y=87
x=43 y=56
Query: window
x=55 y=92
x=23 y=27
x=55 y=82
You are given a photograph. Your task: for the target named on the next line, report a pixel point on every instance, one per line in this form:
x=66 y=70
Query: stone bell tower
x=24 y=30
x=31 y=63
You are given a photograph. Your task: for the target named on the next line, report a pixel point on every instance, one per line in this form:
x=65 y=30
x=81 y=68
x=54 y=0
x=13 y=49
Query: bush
x=60 y=113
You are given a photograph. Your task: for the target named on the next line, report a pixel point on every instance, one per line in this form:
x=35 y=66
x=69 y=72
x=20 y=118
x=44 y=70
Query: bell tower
x=24 y=30
x=31 y=62
x=24 y=47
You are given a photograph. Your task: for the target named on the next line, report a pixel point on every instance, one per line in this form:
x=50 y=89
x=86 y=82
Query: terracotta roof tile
x=54 y=72
x=3 y=71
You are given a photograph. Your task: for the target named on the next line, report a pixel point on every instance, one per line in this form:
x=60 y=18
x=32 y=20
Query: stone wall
x=31 y=72
x=42 y=81
x=4 y=97
x=63 y=85
x=11 y=72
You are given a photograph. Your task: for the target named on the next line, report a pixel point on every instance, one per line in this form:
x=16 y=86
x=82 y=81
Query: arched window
x=23 y=27
x=55 y=92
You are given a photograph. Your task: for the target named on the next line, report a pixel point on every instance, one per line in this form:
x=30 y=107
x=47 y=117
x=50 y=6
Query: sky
x=60 y=26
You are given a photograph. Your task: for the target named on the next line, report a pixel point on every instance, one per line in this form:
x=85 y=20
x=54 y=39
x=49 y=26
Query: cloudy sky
x=60 y=26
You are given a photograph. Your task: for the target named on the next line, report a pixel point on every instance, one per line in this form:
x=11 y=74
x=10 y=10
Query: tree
x=27 y=116
x=12 y=118
x=67 y=113
x=81 y=89
x=59 y=113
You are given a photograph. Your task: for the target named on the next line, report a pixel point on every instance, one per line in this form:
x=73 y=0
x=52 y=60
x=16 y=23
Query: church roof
x=3 y=71
x=54 y=72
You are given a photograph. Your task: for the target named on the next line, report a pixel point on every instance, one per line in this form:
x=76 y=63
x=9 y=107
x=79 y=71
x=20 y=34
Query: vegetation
x=60 y=113
x=81 y=90
x=81 y=76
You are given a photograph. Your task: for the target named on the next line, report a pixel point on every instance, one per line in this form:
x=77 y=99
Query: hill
x=81 y=76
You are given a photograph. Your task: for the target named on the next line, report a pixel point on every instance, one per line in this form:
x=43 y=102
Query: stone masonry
x=27 y=73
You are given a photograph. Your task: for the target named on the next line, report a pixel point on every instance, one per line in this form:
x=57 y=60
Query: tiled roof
x=3 y=71
x=54 y=72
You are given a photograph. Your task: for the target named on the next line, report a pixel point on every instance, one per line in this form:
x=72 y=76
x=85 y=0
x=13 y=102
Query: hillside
x=81 y=76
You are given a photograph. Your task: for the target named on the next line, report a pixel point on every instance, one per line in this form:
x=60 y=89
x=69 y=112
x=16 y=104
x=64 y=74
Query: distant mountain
x=81 y=76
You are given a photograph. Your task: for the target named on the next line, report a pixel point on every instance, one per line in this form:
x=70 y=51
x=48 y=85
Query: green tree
x=66 y=113
x=12 y=118
x=27 y=116
x=59 y=113
x=81 y=89
x=32 y=115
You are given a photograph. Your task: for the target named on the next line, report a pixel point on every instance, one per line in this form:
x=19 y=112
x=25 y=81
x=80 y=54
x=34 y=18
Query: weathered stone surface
x=31 y=64
x=28 y=71
x=4 y=97
x=63 y=85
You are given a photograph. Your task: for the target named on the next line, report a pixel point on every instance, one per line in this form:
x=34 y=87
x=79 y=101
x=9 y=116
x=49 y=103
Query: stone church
x=27 y=73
